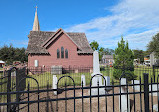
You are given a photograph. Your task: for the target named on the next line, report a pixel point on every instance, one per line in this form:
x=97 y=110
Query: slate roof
x=38 y=38
x=107 y=57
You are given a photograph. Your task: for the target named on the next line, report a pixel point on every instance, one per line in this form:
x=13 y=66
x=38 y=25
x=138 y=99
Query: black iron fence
x=124 y=96
x=26 y=91
x=9 y=81
x=44 y=75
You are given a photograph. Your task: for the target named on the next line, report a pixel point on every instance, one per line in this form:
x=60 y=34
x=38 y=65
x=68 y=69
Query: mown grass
x=46 y=78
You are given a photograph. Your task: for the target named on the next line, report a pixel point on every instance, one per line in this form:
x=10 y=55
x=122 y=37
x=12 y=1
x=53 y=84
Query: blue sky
x=102 y=20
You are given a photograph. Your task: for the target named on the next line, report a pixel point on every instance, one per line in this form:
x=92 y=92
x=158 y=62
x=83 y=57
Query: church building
x=59 y=48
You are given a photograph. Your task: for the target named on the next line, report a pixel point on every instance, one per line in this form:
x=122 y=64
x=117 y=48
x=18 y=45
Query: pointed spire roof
x=36 y=26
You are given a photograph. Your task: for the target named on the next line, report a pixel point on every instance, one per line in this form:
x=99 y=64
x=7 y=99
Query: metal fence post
x=8 y=91
x=146 y=92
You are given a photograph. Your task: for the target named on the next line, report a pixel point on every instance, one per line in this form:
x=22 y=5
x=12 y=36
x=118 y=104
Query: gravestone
x=96 y=79
x=56 y=69
x=136 y=87
x=154 y=88
x=124 y=99
x=13 y=73
x=107 y=78
x=83 y=79
x=155 y=107
x=54 y=84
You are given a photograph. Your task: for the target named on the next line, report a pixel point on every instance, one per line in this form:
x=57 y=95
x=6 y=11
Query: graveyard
x=79 y=56
x=96 y=90
x=51 y=106
x=77 y=91
x=44 y=78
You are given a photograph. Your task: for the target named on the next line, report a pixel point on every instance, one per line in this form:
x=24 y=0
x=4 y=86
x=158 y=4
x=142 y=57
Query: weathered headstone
x=76 y=70
x=155 y=107
x=96 y=79
x=136 y=87
x=124 y=99
x=56 y=70
x=54 y=84
x=107 y=78
x=154 y=88
x=83 y=79
x=13 y=74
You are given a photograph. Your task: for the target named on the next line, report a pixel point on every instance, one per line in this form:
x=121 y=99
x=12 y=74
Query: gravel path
x=70 y=103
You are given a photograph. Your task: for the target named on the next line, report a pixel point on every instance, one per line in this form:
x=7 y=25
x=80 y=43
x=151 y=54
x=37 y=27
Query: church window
x=66 y=53
x=58 y=53
x=62 y=52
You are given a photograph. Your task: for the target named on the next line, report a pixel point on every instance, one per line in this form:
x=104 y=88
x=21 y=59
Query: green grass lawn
x=46 y=78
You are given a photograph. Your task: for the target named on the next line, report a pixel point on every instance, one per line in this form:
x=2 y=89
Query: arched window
x=66 y=53
x=58 y=53
x=62 y=52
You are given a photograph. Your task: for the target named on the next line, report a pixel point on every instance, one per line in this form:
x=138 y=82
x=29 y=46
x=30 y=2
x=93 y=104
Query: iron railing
x=79 y=98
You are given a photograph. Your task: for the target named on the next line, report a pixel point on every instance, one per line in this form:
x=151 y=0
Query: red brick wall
x=73 y=58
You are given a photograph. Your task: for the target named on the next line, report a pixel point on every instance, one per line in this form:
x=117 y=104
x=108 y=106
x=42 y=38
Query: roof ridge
x=55 y=31
x=35 y=44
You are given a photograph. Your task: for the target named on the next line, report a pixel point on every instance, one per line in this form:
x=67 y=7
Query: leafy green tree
x=153 y=45
x=101 y=52
x=94 y=45
x=123 y=58
x=108 y=51
x=139 y=54
x=10 y=54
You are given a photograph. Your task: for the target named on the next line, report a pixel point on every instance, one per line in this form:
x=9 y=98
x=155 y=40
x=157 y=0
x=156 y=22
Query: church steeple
x=36 y=26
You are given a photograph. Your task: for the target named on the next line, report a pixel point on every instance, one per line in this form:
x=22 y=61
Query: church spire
x=36 y=26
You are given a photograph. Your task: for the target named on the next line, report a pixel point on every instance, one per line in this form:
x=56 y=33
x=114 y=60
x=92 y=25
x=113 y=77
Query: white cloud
x=137 y=20
x=15 y=43
x=19 y=42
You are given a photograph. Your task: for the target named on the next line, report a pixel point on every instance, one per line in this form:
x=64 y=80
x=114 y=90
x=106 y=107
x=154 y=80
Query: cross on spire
x=36 y=26
x=36 y=8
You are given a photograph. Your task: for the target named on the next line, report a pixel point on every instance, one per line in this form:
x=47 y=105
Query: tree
x=101 y=52
x=123 y=58
x=10 y=54
x=108 y=51
x=153 y=45
x=94 y=45
x=139 y=54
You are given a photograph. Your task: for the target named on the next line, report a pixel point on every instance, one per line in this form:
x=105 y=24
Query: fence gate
x=9 y=81
x=5 y=82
